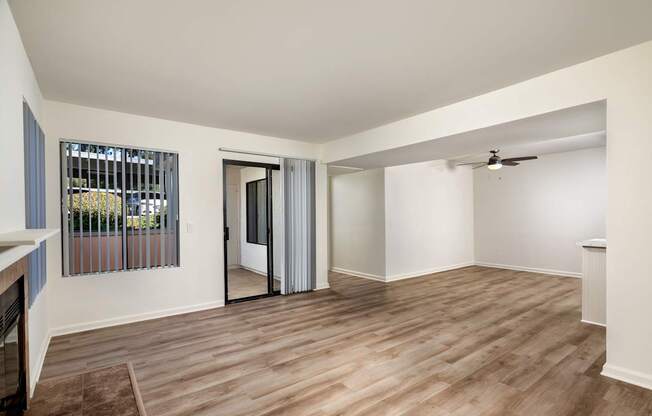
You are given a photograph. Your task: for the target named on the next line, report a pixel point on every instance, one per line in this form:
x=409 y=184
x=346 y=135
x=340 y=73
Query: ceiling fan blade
x=519 y=159
x=509 y=163
x=468 y=163
x=482 y=165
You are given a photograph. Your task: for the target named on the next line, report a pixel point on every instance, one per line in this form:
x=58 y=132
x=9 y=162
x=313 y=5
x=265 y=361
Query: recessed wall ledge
x=16 y=244
x=594 y=243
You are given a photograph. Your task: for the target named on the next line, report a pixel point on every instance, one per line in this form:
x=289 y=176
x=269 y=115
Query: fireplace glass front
x=12 y=380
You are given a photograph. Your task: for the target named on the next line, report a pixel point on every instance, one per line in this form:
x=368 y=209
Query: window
x=34 y=145
x=257 y=212
x=120 y=208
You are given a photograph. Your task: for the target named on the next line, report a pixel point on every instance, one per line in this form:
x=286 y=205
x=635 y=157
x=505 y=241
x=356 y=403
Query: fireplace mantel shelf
x=26 y=237
x=16 y=244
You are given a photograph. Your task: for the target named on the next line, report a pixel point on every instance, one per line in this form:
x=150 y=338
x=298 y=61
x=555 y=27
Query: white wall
x=87 y=302
x=623 y=79
x=17 y=82
x=531 y=217
x=403 y=221
x=357 y=212
x=439 y=217
x=429 y=218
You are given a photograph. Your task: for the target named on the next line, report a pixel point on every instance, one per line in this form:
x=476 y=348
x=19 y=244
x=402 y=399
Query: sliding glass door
x=249 y=220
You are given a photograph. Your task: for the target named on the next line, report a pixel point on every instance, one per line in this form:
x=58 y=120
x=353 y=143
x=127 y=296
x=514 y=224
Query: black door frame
x=269 y=167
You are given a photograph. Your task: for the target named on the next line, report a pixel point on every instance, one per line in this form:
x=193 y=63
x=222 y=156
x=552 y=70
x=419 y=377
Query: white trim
x=358 y=274
x=127 y=319
x=428 y=271
x=530 y=269
x=35 y=370
x=593 y=323
x=401 y=276
x=323 y=286
x=264 y=274
x=628 y=376
x=251 y=153
x=253 y=270
x=345 y=167
x=453 y=267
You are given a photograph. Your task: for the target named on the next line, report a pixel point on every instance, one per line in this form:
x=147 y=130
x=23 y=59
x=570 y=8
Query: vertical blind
x=120 y=208
x=34 y=149
x=300 y=244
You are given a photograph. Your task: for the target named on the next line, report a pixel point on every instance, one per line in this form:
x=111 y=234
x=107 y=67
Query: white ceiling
x=559 y=131
x=564 y=144
x=308 y=70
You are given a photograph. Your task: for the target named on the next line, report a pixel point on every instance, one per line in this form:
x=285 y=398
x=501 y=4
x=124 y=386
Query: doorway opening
x=252 y=210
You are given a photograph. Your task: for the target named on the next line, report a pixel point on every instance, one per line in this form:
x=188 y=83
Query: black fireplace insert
x=12 y=377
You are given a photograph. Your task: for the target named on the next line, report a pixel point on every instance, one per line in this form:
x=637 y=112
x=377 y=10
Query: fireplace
x=12 y=377
x=13 y=340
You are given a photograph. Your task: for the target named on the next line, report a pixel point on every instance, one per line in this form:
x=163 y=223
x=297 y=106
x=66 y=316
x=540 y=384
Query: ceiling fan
x=495 y=162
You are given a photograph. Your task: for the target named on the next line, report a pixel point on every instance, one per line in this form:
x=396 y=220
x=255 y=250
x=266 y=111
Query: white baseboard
x=529 y=269
x=260 y=272
x=127 y=319
x=323 y=286
x=401 y=276
x=593 y=323
x=420 y=273
x=428 y=271
x=35 y=371
x=359 y=274
x=628 y=376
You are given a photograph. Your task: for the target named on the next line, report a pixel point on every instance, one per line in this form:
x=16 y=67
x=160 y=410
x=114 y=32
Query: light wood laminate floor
x=473 y=341
x=244 y=283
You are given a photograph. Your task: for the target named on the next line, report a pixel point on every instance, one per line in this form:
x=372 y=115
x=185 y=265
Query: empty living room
x=427 y=207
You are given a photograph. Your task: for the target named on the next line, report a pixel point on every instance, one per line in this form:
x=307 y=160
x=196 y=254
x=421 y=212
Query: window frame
x=64 y=176
x=248 y=227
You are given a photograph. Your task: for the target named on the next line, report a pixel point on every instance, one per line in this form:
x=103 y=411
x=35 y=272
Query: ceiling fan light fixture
x=495 y=162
